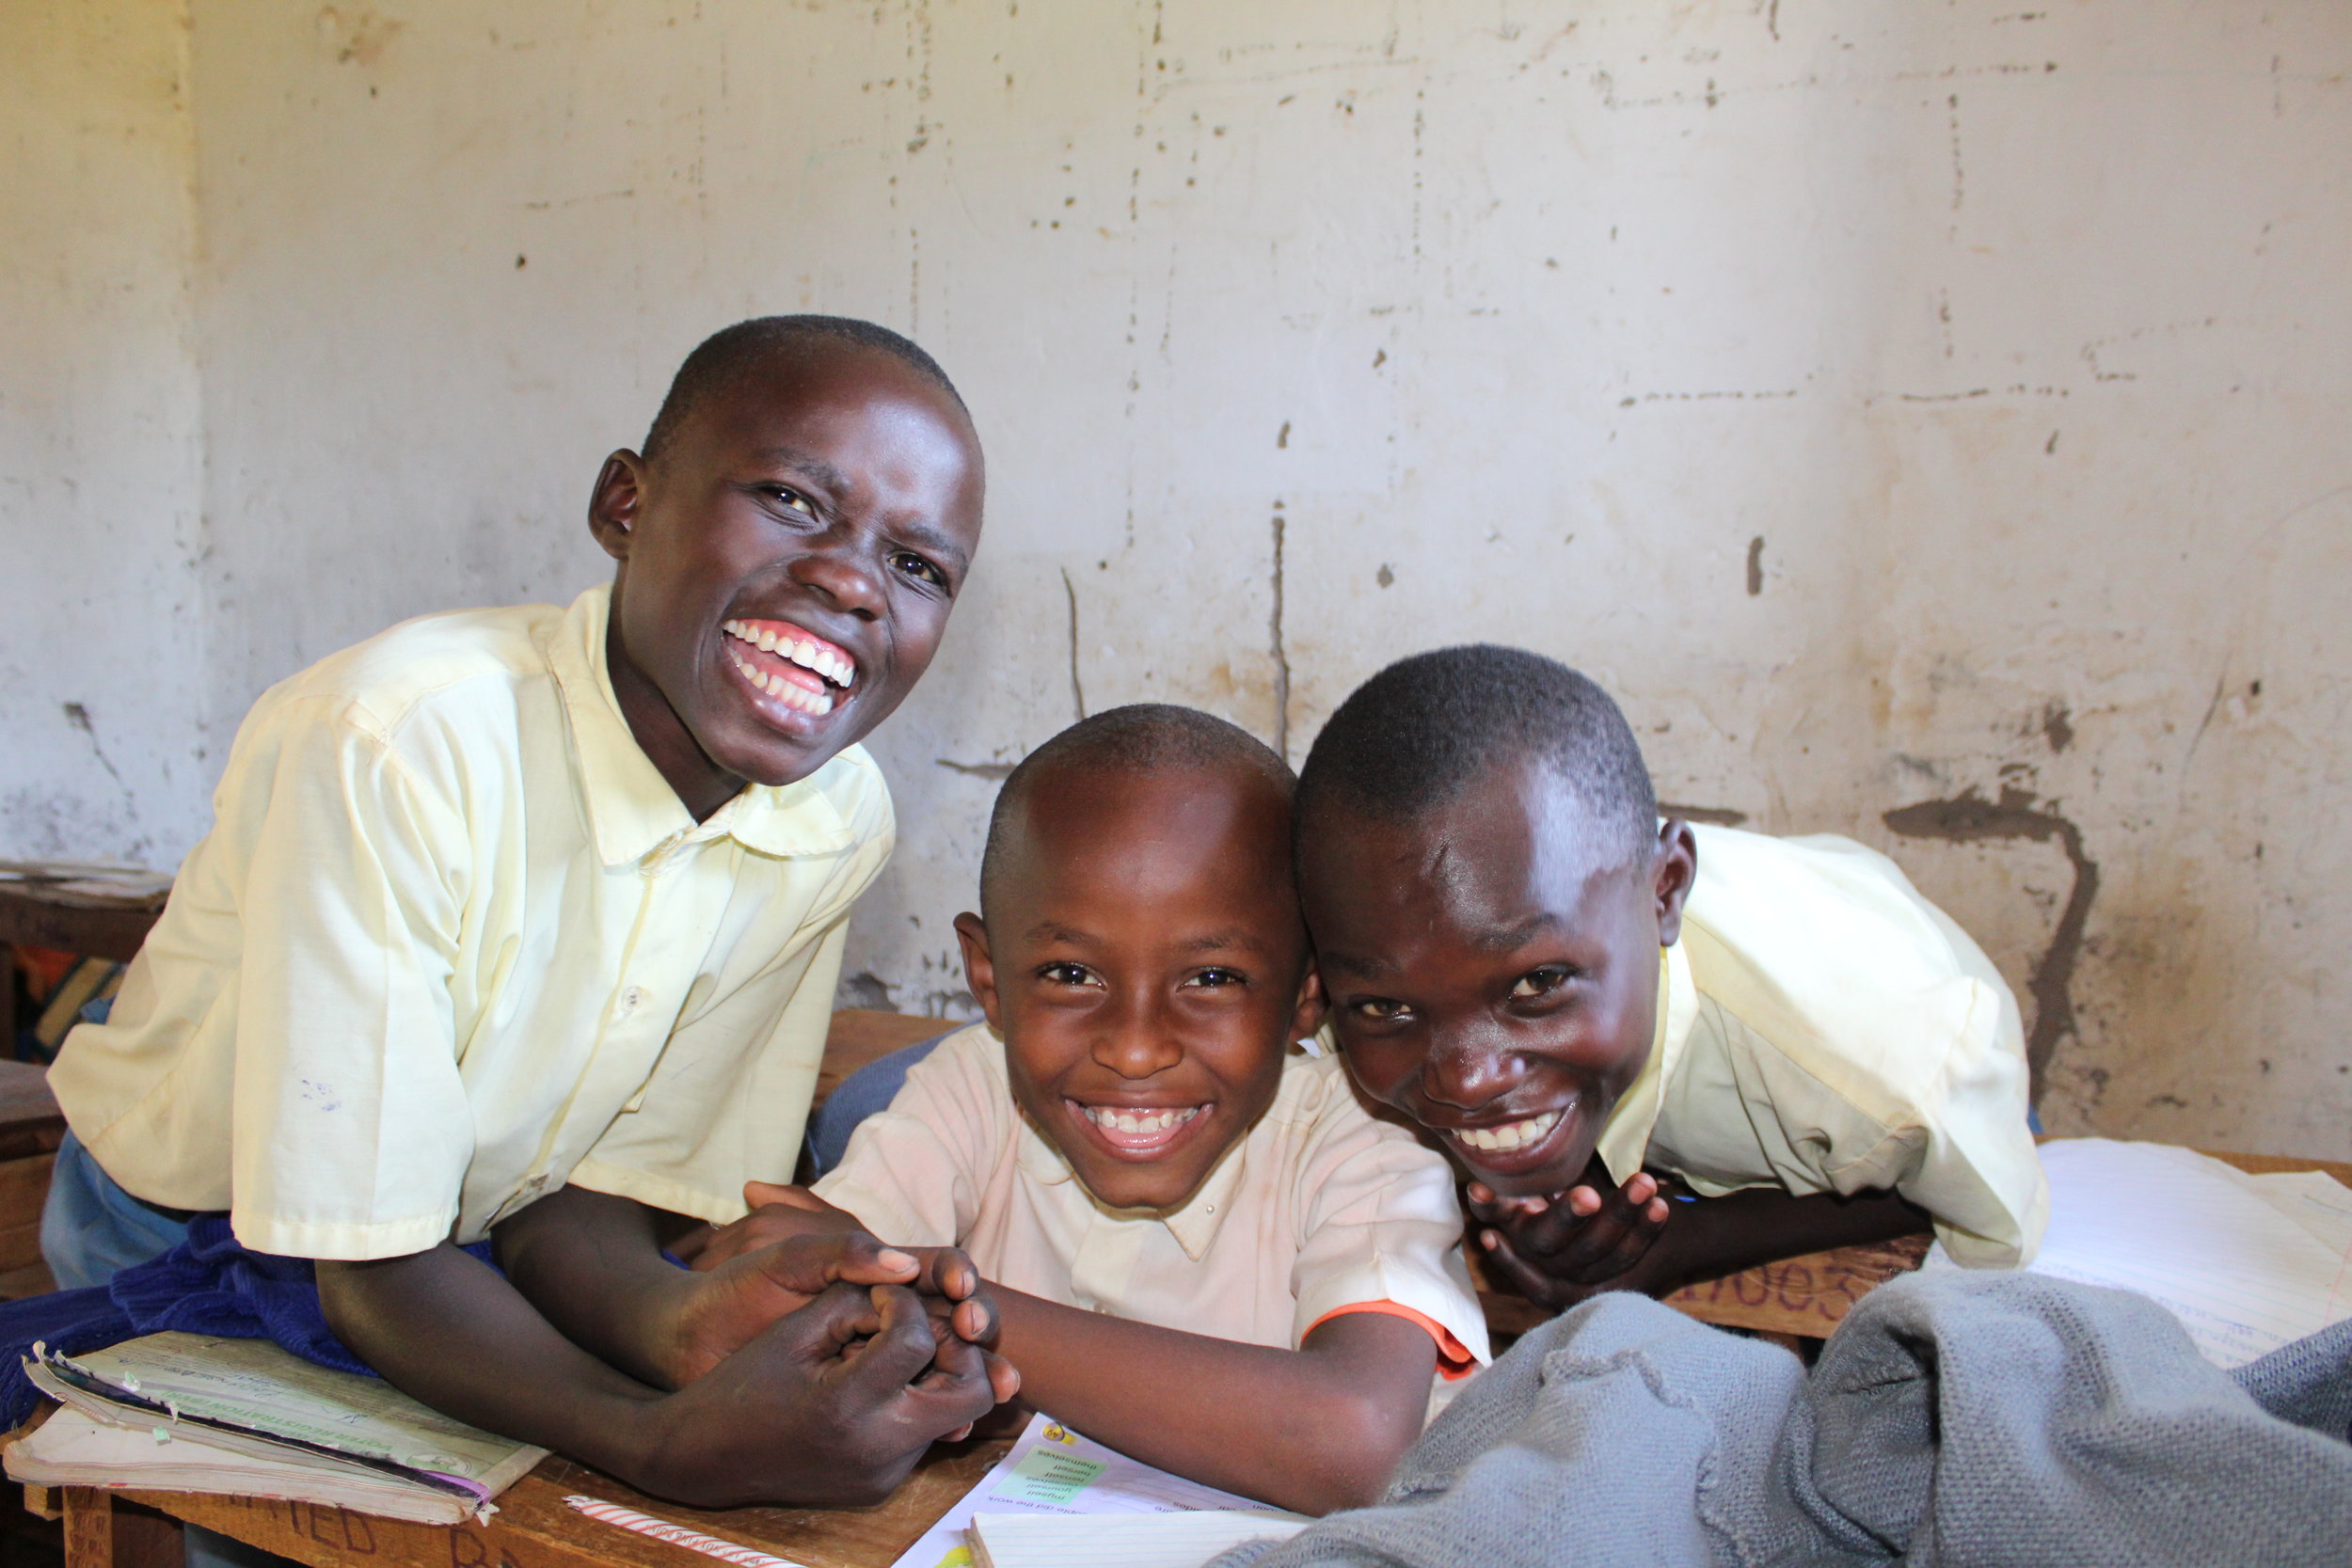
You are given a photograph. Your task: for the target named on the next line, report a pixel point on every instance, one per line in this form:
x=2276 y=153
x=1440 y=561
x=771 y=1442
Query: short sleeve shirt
x=1317 y=1209
x=454 y=941
x=1823 y=1028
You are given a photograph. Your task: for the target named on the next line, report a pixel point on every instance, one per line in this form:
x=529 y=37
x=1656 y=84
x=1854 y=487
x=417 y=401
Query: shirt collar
x=632 y=811
x=1194 y=1225
x=1624 y=1138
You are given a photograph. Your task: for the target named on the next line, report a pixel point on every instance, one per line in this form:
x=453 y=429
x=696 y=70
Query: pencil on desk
x=677 y=1535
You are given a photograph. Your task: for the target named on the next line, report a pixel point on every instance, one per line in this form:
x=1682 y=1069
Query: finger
x=977 y=1321
x=1528 y=1281
x=760 y=1194
x=900 y=1345
x=945 y=1271
x=1004 y=1378
x=827 y=1328
x=1641 y=1189
x=806 y=1264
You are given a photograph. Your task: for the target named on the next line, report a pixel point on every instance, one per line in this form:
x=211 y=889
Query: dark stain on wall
x=977 y=769
x=1969 y=817
x=1756 y=566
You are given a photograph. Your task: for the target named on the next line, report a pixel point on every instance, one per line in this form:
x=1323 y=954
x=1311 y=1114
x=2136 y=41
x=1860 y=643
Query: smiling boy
x=1203 y=1249
x=1564 y=990
x=524 y=924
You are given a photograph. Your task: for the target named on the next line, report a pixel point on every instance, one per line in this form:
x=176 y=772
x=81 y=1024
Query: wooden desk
x=532 y=1528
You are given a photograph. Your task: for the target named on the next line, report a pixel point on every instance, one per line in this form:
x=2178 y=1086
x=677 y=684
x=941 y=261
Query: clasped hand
x=887 y=1349
x=1597 y=1236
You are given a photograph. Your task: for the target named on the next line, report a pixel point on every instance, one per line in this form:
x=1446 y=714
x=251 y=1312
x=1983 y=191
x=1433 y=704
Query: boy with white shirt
x=1203 y=1249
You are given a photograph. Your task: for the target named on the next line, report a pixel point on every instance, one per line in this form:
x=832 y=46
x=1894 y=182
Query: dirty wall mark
x=1969 y=818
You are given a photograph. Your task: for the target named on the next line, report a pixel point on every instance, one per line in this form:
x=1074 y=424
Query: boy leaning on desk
x=517 y=931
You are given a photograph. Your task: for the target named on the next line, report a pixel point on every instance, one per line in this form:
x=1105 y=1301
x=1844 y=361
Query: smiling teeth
x=1511 y=1135
x=784 y=691
x=1112 y=1120
x=804 y=651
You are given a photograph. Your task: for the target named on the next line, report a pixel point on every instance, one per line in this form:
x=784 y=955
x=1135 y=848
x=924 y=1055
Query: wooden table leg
x=89 y=1528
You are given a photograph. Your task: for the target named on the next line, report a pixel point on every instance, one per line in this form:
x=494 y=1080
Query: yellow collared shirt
x=1316 y=1209
x=454 y=941
x=1822 y=1027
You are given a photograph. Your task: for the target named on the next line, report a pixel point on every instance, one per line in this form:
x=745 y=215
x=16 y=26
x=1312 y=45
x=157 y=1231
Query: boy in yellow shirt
x=1577 y=1000
x=522 y=926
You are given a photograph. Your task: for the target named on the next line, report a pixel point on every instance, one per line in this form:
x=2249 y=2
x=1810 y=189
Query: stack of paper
x=1124 y=1512
x=2247 y=1263
x=186 y=1413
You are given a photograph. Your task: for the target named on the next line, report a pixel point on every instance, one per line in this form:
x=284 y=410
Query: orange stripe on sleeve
x=1454 y=1361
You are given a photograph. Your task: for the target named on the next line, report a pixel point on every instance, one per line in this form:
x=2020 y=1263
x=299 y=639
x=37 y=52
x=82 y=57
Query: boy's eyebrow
x=936 y=540
x=1220 y=942
x=1502 y=938
x=810 y=464
x=1350 y=963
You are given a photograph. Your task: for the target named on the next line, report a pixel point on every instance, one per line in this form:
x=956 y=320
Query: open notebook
x=2245 y=1262
x=192 y=1413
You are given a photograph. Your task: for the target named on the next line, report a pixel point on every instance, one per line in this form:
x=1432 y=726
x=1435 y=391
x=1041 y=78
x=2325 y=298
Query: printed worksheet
x=1052 y=1469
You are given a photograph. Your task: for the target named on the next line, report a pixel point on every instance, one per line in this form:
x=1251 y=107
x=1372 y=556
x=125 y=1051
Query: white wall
x=102 y=634
x=2018 y=338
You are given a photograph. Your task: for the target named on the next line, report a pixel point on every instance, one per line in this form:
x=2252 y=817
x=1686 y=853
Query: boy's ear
x=1673 y=871
x=1313 y=1007
x=612 y=506
x=979 y=970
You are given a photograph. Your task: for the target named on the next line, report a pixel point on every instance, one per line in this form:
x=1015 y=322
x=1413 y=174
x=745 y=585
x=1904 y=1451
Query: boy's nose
x=1467 y=1075
x=1136 y=1045
x=838 y=570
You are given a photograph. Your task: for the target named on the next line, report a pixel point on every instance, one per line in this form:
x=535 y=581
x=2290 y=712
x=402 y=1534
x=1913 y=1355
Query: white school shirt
x=1317 y=1209
x=1823 y=1028
x=454 y=941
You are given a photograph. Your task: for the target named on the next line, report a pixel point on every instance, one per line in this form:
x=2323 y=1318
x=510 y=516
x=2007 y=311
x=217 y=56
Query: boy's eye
x=1540 y=982
x=1217 y=979
x=792 y=500
x=1378 y=1009
x=1067 y=975
x=911 y=564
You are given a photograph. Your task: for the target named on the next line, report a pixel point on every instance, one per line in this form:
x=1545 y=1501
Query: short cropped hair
x=721 y=360
x=1141 y=738
x=1421 y=730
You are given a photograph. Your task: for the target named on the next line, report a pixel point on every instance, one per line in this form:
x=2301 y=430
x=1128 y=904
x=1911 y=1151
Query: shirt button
x=631 y=1000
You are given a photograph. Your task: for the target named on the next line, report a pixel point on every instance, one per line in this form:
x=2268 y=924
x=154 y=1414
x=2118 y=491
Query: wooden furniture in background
x=861 y=1034
x=31 y=1130
x=96 y=911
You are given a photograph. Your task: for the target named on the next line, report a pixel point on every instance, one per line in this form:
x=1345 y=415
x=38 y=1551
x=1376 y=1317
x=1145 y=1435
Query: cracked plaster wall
x=102 y=693
x=1930 y=419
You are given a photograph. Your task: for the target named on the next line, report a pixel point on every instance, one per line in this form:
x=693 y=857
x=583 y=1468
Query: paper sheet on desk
x=2247 y=1263
x=1052 y=1469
